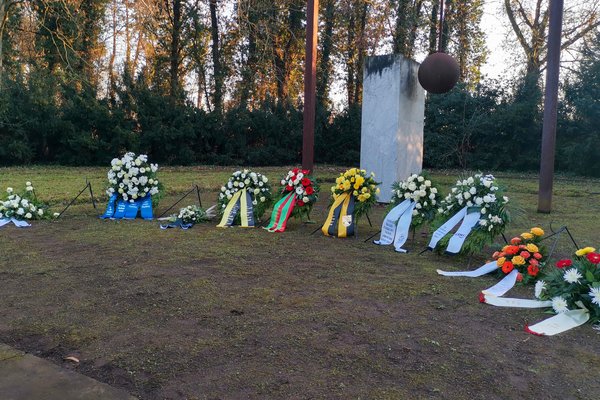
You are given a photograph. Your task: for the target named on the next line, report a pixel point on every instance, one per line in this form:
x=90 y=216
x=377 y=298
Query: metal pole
x=550 y=108
x=310 y=80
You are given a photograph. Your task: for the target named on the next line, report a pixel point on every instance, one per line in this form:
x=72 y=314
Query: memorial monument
x=393 y=112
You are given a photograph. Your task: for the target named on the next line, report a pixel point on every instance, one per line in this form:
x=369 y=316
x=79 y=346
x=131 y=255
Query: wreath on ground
x=361 y=186
x=480 y=193
x=133 y=178
x=255 y=183
x=301 y=182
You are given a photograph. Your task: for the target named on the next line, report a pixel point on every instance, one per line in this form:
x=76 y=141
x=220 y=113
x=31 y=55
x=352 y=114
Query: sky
x=496 y=31
x=494 y=25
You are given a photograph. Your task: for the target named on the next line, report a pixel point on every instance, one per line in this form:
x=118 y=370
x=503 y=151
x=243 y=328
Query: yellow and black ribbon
x=241 y=203
x=340 y=221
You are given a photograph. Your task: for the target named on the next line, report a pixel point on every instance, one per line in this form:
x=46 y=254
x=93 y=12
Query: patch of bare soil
x=230 y=314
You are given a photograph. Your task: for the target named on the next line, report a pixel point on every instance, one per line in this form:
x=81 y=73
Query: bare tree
x=529 y=21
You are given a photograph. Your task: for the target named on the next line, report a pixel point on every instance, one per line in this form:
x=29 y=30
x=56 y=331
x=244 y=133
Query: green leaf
x=589 y=276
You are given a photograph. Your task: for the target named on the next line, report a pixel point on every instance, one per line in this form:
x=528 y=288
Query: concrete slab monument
x=393 y=113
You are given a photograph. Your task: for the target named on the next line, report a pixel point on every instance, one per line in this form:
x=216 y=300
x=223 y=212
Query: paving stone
x=26 y=377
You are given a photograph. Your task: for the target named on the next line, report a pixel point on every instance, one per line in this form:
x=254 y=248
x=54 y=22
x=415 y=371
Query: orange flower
x=507 y=267
x=533 y=270
x=511 y=250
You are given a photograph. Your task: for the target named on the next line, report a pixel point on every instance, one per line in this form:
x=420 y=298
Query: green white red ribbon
x=281 y=213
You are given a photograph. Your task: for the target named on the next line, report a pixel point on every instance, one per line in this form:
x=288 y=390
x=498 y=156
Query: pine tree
x=579 y=132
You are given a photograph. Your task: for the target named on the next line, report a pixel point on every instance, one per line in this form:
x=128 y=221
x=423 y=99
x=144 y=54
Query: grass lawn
x=244 y=314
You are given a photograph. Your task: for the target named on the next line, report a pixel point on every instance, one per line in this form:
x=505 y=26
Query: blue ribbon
x=179 y=223
x=131 y=210
x=121 y=207
x=127 y=209
x=146 y=207
x=110 y=207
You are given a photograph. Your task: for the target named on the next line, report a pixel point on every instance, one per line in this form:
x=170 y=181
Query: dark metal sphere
x=439 y=73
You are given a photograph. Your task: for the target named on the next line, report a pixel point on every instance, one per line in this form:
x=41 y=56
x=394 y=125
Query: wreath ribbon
x=340 y=220
x=241 y=202
x=281 y=213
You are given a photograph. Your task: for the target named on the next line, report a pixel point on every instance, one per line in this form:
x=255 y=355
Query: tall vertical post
x=310 y=84
x=550 y=108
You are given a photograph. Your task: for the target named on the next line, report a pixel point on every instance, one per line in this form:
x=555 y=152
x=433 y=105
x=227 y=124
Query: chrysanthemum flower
x=572 y=276
x=559 y=304
x=595 y=295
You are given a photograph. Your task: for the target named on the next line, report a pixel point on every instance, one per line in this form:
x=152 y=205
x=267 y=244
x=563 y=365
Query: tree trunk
x=433 y=27
x=111 y=61
x=138 y=50
x=248 y=81
x=283 y=57
x=174 y=56
x=3 y=18
x=351 y=54
x=324 y=69
x=401 y=31
x=362 y=49
x=127 y=39
x=247 y=84
x=216 y=58
x=279 y=62
x=448 y=15
x=463 y=41
x=200 y=88
x=412 y=36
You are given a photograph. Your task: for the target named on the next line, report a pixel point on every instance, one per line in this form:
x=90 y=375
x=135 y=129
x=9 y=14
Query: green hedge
x=494 y=127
